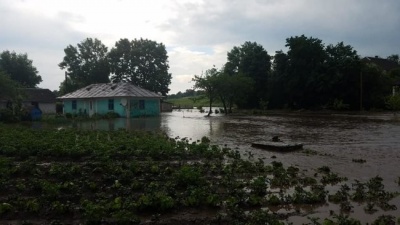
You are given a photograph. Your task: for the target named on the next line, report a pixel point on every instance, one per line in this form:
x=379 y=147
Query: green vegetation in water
x=132 y=177
x=309 y=152
x=359 y=160
x=194 y=101
x=313 y=152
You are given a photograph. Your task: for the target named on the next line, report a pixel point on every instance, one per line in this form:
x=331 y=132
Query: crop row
x=140 y=177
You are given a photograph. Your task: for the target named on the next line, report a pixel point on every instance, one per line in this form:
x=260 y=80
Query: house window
x=73 y=104
x=110 y=104
x=90 y=105
x=141 y=104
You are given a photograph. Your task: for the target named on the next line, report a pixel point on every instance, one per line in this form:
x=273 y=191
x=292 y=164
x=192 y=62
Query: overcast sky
x=197 y=33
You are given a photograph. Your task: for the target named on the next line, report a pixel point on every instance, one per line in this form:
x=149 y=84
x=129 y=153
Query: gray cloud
x=33 y=31
x=41 y=38
x=367 y=25
x=210 y=27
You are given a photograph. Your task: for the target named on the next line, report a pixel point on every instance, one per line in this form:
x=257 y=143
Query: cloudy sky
x=197 y=33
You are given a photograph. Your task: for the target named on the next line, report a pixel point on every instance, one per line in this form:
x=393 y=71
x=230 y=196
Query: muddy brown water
x=337 y=139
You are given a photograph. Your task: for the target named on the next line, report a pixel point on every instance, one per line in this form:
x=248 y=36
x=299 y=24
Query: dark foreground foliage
x=96 y=177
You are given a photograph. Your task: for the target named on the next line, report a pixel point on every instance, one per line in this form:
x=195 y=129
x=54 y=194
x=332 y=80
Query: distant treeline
x=187 y=93
x=310 y=75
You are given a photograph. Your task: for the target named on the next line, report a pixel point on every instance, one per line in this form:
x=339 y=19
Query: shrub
x=111 y=115
x=393 y=102
x=6 y=115
x=339 y=105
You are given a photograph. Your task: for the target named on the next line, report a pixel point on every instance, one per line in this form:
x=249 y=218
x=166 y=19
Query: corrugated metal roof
x=38 y=95
x=34 y=95
x=384 y=64
x=111 y=90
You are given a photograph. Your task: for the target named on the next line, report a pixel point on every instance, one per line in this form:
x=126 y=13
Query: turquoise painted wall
x=103 y=107
x=81 y=106
x=151 y=107
x=67 y=106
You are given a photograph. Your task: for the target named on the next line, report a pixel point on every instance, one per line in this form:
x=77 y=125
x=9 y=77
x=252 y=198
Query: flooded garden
x=356 y=146
x=202 y=170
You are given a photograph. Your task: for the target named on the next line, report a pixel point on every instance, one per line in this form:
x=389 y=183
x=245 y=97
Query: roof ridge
x=106 y=90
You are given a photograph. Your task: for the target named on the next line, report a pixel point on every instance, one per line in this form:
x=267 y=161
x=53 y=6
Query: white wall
x=48 y=108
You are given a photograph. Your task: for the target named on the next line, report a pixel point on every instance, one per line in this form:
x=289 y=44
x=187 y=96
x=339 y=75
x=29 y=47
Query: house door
x=91 y=108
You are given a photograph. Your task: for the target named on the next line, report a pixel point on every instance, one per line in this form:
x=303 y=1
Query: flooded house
x=33 y=102
x=386 y=66
x=166 y=106
x=42 y=99
x=125 y=99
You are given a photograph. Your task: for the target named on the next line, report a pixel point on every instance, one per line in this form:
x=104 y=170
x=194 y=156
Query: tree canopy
x=142 y=62
x=310 y=75
x=87 y=63
x=229 y=89
x=20 y=69
x=8 y=87
x=208 y=83
x=253 y=61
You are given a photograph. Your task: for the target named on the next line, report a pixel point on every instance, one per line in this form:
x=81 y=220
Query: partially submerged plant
x=359 y=160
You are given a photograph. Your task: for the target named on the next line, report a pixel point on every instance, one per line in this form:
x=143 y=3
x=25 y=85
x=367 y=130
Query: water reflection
x=191 y=124
x=146 y=124
x=184 y=123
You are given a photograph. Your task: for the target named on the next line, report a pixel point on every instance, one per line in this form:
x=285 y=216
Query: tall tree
x=278 y=96
x=10 y=90
x=20 y=68
x=208 y=83
x=8 y=87
x=142 y=62
x=86 y=64
x=253 y=61
x=342 y=76
x=376 y=86
x=306 y=57
x=233 y=89
x=394 y=58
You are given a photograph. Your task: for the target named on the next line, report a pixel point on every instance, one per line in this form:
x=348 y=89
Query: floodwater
x=337 y=139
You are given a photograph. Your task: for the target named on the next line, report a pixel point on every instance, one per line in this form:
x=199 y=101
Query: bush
x=393 y=102
x=111 y=115
x=339 y=105
x=68 y=115
x=6 y=115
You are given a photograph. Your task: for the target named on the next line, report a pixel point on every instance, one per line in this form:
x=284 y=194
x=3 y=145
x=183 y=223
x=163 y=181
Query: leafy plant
x=259 y=186
x=385 y=220
x=5 y=208
x=393 y=102
x=359 y=160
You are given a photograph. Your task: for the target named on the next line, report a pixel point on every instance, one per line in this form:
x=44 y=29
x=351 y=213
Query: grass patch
x=195 y=102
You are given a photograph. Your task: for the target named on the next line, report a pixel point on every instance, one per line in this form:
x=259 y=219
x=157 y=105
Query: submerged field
x=73 y=176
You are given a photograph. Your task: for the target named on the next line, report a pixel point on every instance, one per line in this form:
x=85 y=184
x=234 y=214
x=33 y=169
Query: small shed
x=43 y=99
x=385 y=65
x=124 y=99
x=396 y=88
x=166 y=106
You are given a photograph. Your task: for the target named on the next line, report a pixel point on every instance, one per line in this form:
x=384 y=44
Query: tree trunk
x=223 y=100
x=230 y=105
x=210 y=111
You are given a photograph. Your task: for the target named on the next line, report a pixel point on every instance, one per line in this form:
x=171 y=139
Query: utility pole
x=361 y=91
x=66 y=83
